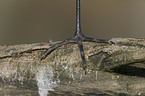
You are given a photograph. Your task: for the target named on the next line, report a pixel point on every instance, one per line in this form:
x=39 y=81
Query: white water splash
x=45 y=80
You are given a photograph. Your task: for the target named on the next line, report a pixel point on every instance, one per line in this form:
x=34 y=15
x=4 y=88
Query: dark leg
x=78 y=38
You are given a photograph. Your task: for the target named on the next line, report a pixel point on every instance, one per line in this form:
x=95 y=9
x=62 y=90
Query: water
x=30 y=22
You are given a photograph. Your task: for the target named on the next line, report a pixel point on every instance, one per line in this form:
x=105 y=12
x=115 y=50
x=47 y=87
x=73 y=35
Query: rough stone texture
x=21 y=63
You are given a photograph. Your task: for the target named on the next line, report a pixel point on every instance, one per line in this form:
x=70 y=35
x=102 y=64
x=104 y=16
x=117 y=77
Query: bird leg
x=78 y=38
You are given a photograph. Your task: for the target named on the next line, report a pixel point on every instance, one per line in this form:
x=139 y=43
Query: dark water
x=27 y=21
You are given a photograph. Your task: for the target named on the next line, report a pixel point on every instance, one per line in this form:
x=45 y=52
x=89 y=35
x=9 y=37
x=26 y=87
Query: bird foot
x=76 y=39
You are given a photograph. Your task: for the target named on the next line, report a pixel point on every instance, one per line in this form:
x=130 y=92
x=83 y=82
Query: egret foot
x=78 y=38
